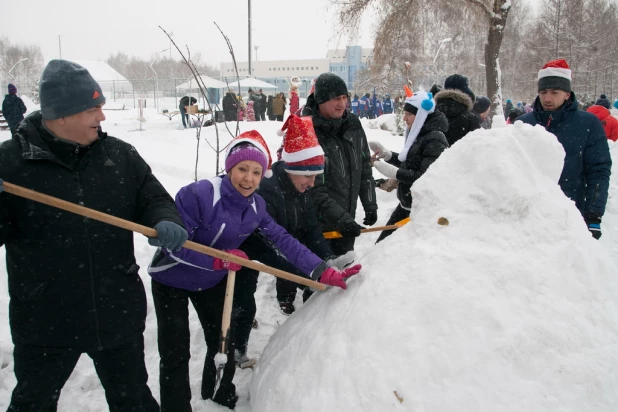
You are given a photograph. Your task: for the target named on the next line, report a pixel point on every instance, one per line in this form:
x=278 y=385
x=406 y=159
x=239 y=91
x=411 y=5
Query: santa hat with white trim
x=302 y=153
x=555 y=75
x=249 y=146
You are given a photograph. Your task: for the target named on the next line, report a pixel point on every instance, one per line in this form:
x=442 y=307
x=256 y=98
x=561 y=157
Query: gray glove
x=169 y=236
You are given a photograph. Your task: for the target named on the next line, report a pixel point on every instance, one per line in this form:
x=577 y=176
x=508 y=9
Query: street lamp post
x=156 y=77
x=19 y=61
x=440 y=44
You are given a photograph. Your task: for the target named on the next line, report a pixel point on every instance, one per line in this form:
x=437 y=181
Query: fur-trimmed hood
x=453 y=102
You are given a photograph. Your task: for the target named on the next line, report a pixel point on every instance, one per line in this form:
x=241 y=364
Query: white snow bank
x=509 y=307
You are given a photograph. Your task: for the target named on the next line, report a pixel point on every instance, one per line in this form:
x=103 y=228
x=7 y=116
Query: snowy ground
x=170 y=150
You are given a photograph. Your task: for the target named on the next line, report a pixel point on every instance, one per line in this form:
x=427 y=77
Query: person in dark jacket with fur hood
x=424 y=143
x=73 y=282
x=587 y=162
x=347 y=175
x=456 y=102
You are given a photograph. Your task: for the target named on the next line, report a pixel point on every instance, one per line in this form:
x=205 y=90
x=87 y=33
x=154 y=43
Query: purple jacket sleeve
x=295 y=252
x=193 y=202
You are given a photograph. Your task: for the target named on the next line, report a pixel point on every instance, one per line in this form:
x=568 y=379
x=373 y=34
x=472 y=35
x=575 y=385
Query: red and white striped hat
x=302 y=153
x=555 y=75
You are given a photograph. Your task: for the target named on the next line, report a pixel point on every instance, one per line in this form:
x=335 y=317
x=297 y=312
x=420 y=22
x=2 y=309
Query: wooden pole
x=227 y=310
x=336 y=235
x=149 y=232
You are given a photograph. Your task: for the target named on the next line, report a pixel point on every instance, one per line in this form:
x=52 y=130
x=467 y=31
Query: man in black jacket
x=230 y=106
x=289 y=203
x=182 y=106
x=347 y=175
x=73 y=282
x=13 y=109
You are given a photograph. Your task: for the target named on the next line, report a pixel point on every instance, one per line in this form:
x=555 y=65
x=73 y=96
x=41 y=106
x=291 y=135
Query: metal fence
x=163 y=93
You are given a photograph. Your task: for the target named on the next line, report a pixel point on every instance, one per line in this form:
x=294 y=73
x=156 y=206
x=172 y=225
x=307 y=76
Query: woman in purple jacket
x=220 y=212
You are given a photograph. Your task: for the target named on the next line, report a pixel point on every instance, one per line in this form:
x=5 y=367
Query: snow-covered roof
x=101 y=71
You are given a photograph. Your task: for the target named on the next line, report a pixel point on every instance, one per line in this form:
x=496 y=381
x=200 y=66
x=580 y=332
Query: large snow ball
x=511 y=306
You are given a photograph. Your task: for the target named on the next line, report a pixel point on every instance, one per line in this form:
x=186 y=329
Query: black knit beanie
x=481 y=105
x=66 y=88
x=407 y=107
x=459 y=82
x=328 y=86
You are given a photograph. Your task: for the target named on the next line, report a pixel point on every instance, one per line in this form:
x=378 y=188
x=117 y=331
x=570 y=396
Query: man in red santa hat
x=587 y=164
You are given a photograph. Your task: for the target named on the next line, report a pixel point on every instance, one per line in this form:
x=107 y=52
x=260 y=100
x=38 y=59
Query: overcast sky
x=283 y=29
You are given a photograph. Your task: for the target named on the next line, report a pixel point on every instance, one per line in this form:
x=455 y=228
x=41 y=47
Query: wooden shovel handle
x=227 y=310
x=150 y=232
x=335 y=234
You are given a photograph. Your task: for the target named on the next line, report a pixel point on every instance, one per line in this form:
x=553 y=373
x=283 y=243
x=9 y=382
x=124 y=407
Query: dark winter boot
x=226 y=396
x=287 y=308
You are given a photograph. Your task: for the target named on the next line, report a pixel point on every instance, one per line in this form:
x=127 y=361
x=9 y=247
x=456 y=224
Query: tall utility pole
x=249 y=8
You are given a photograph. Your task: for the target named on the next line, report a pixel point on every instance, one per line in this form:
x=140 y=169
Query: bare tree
x=26 y=62
x=401 y=33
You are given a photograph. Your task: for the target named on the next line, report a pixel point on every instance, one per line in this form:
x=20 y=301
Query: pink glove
x=220 y=264
x=334 y=277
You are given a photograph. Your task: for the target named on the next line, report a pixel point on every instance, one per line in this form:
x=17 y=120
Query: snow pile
x=507 y=305
x=387 y=122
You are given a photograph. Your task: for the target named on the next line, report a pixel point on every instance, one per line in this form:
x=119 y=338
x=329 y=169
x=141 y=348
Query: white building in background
x=112 y=83
x=343 y=62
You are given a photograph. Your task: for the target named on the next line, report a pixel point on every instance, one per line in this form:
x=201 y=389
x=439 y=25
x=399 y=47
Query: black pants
x=172 y=309
x=244 y=307
x=246 y=284
x=398 y=214
x=279 y=117
x=42 y=372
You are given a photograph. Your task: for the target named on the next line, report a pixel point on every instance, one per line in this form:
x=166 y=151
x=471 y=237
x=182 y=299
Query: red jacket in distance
x=609 y=122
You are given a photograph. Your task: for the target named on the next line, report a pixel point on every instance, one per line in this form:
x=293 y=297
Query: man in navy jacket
x=587 y=163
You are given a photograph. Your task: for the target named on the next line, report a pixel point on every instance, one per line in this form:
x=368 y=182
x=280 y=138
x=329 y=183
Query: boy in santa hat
x=587 y=164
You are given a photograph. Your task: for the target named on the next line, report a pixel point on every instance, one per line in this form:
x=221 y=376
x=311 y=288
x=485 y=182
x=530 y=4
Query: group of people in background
x=258 y=106
x=371 y=107
x=74 y=283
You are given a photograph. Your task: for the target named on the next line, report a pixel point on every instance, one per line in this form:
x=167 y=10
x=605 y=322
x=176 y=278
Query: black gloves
x=1 y=186
x=169 y=236
x=594 y=226
x=351 y=229
x=371 y=216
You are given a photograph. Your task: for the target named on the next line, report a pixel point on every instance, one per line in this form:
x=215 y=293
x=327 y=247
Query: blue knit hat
x=66 y=88
x=12 y=89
